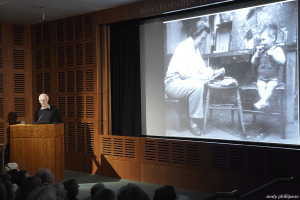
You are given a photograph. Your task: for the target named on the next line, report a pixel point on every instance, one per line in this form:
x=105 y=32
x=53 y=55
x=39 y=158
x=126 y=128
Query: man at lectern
x=47 y=113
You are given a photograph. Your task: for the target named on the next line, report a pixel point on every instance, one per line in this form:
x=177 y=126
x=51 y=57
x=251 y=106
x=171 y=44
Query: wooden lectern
x=36 y=146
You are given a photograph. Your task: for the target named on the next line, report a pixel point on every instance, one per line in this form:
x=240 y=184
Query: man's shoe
x=194 y=126
x=262 y=106
x=257 y=105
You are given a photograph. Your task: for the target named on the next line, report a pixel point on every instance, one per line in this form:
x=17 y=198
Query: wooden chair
x=213 y=104
x=177 y=115
x=249 y=93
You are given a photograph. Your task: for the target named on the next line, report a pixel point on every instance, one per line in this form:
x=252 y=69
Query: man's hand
x=220 y=71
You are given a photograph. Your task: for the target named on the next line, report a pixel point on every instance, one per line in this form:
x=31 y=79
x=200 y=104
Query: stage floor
x=86 y=181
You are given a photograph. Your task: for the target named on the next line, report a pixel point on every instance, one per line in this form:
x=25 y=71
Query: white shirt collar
x=48 y=107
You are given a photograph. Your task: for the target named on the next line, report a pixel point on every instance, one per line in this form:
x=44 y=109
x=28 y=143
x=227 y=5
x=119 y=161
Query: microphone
x=40 y=117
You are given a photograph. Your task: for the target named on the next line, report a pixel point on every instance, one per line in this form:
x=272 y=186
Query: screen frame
x=208 y=10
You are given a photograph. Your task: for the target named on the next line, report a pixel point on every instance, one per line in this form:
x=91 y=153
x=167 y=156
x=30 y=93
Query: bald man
x=47 y=113
x=46 y=176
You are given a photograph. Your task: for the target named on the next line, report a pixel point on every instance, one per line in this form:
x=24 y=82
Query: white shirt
x=187 y=63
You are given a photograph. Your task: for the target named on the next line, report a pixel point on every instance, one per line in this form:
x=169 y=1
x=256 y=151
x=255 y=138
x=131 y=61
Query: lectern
x=36 y=146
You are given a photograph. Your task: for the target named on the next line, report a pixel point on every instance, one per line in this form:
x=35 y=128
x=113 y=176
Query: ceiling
x=32 y=11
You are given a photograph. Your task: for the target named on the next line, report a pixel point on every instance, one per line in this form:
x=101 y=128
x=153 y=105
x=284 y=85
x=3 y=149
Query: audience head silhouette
x=61 y=192
x=166 y=192
x=42 y=193
x=105 y=194
x=12 y=172
x=45 y=175
x=18 y=177
x=132 y=192
x=42 y=187
x=2 y=191
x=28 y=185
x=97 y=187
x=5 y=177
x=10 y=193
x=72 y=188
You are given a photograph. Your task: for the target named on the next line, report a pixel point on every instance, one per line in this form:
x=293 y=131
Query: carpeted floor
x=86 y=181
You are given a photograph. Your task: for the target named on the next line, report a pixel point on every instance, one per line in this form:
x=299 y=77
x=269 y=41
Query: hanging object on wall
x=44 y=18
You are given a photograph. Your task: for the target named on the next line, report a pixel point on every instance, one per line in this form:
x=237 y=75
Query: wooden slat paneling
x=42 y=35
x=76 y=55
x=79 y=137
x=60 y=30
x=1 y=83
x=20 y=70
x=74 y=84
x=15 y=75
x=1 y=58
x=2 y=132
x=18 y=35
x=81 y=80
x=78 y=23
x=69 y=23
x=248 y=161
x=1 y=107
x=216 y=167
x=89 y=31
x=75 y=107
x=19 y=83
x=0 y=33
x=42 y=58
x=18 y=59
x=120 y=148
x=42 y=82
x=75 y=28
x=172 y=153
x=19 y=106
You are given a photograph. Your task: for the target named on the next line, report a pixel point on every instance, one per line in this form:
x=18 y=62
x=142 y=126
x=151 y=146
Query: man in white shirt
x=187 y=74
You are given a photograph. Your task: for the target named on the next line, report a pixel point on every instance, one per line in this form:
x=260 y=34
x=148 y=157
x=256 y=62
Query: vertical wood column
x=105 y=82
x=66 y=68
x=15 y=77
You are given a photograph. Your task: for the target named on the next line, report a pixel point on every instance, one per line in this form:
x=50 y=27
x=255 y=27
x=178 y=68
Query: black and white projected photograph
x=233 y=75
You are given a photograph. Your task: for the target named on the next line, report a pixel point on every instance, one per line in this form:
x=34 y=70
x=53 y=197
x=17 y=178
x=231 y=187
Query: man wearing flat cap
x=187 y=74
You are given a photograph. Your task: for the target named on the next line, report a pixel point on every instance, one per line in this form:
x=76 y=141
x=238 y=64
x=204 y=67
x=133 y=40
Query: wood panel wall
x=66 y=68
x=15 y=76
x=195 y=165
